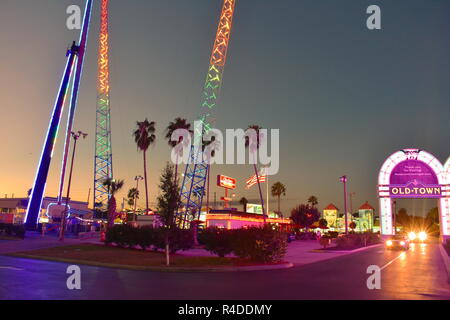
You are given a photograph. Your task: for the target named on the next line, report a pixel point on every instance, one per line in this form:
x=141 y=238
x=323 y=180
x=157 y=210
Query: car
x=398 y=242
x=418 y=236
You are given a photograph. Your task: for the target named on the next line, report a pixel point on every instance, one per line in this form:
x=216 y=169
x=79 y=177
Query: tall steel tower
x=103 y=152
x=193 y=188
x=75 y=57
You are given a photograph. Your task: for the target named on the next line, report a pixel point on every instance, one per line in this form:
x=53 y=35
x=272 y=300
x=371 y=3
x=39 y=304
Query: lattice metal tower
x=103 y=153
x=193 y=188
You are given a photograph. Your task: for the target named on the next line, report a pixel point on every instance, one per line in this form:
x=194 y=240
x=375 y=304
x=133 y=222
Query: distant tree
x=323 y=223
x=433 y=215
x=244 y=203
x=278 y=190
x=114 y=186
x=352 y=225
x=402 y=217
x=305 y=215
x=253 y=146
x=133 y=195
x=29 y=192
x=144 y=136
x=178 y=123
x=312 y=200
x=168 y=202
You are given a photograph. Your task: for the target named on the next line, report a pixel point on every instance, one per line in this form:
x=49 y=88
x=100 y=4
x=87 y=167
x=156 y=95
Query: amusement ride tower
x=75 y=58
x=103 y=153
x=193 y=187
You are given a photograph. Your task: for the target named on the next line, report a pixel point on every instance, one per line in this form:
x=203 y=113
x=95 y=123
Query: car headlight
x=422 y=236
x=402 y=243
x=412 y=236
x=389 y=243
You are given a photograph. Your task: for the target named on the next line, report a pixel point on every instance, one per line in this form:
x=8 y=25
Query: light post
x=137 y=178
x=344 y=179
x=75 y=136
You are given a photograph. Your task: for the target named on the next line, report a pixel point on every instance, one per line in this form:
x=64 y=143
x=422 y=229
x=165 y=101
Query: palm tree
x=113 y=187
x=133 y=195
x=178 y=123
x=144 y=136
x=255 y=146
x=313 y=201
x=278 y=190
x=244 y=202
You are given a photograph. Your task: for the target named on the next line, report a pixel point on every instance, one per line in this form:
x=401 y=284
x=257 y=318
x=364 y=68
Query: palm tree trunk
x=145 y=180
x=279 y=211
x=260 y=193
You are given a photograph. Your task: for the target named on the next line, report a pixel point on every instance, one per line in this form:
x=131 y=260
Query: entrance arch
x=414 y=174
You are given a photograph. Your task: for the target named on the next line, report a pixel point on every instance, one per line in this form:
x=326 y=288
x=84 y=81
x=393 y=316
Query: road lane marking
x=11 y=268
x=387 y=264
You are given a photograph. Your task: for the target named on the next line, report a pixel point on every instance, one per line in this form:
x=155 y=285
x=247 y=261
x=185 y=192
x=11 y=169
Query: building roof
x=331 y=207
x=366 y=206
x=12 y=203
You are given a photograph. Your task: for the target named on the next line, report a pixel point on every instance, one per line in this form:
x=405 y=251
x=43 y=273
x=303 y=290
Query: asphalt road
x=416 y=274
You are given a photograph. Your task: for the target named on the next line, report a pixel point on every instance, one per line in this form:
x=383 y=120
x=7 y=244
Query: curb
x=284 y=265
x=446 y=259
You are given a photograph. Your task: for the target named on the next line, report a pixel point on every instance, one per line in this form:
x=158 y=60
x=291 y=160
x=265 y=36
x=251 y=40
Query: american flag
x=252 y=181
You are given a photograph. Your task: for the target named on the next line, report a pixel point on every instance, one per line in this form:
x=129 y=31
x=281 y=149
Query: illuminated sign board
x=226 y=182
x=254 y=208
x=412 y=179
x=415 y=191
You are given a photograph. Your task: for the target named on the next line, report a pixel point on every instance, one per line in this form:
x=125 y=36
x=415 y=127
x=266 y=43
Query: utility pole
x=344 y=179
x=75 y=137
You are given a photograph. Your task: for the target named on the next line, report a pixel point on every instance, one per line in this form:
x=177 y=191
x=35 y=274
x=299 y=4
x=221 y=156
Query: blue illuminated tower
x=75 y=57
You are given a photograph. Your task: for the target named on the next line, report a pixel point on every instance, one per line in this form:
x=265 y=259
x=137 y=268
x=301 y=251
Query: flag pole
x=267 y=191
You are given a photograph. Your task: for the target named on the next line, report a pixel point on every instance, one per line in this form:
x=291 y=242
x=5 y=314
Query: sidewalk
x=299 y=252
x=33 y=241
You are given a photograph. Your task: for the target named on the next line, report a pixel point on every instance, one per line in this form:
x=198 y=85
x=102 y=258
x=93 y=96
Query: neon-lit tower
x=193 y=188
x=74 y=57
x=103 y=152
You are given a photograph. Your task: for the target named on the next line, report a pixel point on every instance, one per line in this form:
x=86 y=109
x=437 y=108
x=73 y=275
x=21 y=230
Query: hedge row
x=256 y=244
x=149 y=237
x=13 y=230
x=356 y=240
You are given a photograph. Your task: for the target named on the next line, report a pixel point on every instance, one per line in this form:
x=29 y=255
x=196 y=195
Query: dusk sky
x=343 y=97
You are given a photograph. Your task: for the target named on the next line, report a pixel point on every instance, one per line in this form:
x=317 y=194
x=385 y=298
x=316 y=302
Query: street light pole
x=343 y=179
x=75 y=136
x=137 y=178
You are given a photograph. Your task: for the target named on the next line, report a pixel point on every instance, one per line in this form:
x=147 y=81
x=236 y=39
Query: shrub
x=356 y=240
x=259 y=244
x=217 y=241
x=332 y=234
x=123 y=235
x=146 y=236
x=179 y=239
x=13 y=230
